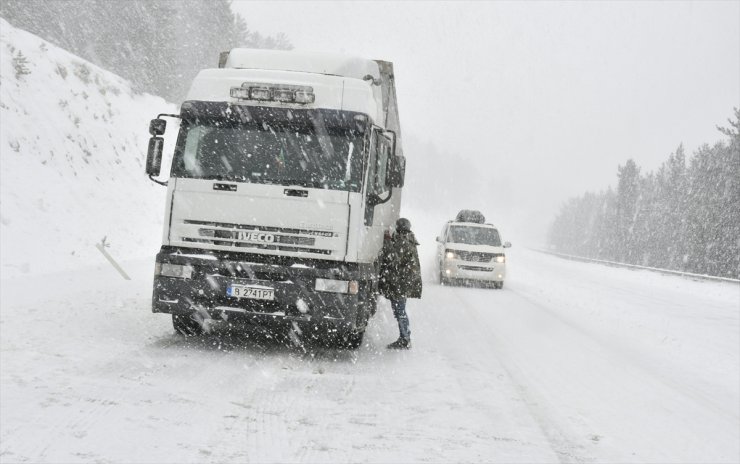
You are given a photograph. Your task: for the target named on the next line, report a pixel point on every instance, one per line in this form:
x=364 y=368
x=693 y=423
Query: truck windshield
x=311 y=148
x=474 y=235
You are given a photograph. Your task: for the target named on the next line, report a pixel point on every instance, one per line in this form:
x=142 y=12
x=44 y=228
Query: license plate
x=252 y=292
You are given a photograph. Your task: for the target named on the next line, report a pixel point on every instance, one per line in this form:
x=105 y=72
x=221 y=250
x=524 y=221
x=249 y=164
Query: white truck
x=286 y=172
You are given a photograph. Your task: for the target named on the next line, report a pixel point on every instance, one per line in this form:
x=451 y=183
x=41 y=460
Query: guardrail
x=634 y=266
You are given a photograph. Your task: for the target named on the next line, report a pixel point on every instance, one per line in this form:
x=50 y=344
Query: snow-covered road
x=570 y=362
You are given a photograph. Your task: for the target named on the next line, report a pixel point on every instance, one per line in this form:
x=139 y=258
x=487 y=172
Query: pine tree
x=731 y=174
x=20 y=64
x=669 y=222
x=627 y=208
x=683 y=217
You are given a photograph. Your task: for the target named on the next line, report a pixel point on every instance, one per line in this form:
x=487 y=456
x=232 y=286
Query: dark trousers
x=399 y=312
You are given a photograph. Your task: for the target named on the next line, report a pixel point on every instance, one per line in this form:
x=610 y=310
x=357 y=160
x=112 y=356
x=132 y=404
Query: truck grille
x=235 y=235
x=257 y=237
x=258 y=246
x=282 y=230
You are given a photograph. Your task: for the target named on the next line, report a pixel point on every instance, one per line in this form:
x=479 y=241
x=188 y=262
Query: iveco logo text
x=256 y=237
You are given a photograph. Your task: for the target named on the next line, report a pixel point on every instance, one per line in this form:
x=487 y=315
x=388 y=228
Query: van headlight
x=500 y=258
x=181 y=271
x=337 y=286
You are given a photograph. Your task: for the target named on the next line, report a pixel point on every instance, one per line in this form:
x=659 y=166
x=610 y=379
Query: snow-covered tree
x=159 y=45
x=20 y=64
x=685 y=216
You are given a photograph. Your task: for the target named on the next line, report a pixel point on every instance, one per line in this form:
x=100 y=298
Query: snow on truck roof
x=302 y=61
x=336 y=81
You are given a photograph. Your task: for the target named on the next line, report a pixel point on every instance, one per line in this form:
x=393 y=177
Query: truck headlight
x=337 y=286
x=449 y=254
x=500 y=259
x=182 y=271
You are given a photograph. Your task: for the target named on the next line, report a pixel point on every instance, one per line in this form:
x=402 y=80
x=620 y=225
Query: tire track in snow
x=268 y=418
x=596 y=389
x=564 y=447
x=92 y=400
x=638 y=360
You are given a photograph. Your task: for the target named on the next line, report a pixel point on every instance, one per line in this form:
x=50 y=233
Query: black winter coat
x=400 y=272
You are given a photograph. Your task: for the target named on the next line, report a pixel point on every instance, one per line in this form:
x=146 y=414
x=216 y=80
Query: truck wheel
x=442 y=279
x=373 y=305
x=353 y=340
x=187 y=325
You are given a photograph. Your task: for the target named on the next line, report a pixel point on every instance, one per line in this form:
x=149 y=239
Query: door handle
x=225 y=187
x=296 y=193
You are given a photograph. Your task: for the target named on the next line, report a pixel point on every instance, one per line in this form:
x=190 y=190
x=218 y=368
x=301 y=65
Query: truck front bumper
x=293 y=282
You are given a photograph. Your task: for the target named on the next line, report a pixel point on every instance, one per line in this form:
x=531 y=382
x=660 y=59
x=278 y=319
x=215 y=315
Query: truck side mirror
x=157 y=127
x=398 y=171
x=439 y=239
x=507 y=244
x=154 y=155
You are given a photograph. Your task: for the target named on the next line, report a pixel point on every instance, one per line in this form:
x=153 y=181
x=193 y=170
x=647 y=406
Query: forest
x=684 y=216
x=158 y=45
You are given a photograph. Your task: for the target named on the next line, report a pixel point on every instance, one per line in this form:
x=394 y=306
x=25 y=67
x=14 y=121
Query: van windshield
x=311 y=148
x=474 y=235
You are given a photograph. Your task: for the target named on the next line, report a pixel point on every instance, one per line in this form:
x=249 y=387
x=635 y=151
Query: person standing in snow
x=400 y=276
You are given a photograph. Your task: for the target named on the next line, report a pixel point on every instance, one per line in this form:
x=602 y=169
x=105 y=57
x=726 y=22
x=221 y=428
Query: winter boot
x=400 y=344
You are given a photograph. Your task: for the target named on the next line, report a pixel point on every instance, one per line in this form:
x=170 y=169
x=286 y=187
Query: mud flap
x=295 y=335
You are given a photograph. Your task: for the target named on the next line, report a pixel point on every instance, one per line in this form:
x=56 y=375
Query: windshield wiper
x=219 y=177
x=331 y=184
x=300 y=183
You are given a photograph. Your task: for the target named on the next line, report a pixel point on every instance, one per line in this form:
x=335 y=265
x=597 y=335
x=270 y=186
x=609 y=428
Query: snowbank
x=73 y=141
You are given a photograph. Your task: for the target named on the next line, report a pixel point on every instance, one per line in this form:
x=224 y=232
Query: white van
x=471 y=251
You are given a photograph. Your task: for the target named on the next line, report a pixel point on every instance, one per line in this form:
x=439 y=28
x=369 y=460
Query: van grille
x=475 y=256
x=476 y=268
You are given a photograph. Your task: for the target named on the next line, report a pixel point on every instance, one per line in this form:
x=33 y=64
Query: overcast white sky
x=545 y=98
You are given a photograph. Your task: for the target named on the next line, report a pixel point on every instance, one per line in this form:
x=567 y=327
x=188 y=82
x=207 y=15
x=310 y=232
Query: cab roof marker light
x=240 y=93
x=260 y=93
x=304 y=96
x=282 y=93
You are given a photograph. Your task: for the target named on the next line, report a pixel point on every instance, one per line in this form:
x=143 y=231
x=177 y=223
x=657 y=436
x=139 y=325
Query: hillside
x=73 y=141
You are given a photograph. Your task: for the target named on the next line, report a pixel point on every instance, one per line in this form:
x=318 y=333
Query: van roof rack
x=470 y=215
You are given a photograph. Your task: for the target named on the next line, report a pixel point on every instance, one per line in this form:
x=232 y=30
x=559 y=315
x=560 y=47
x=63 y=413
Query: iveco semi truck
x=287 y=170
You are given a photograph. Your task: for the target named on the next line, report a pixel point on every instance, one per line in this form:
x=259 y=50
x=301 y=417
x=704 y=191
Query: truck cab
x=287 y=169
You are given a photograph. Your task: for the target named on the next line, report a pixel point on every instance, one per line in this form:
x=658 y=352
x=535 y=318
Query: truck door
x=378 y=211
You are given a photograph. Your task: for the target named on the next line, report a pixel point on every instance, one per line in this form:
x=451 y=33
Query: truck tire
x=353 y=340
x=373 y=305
x=350 y=340
x=187 y=325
